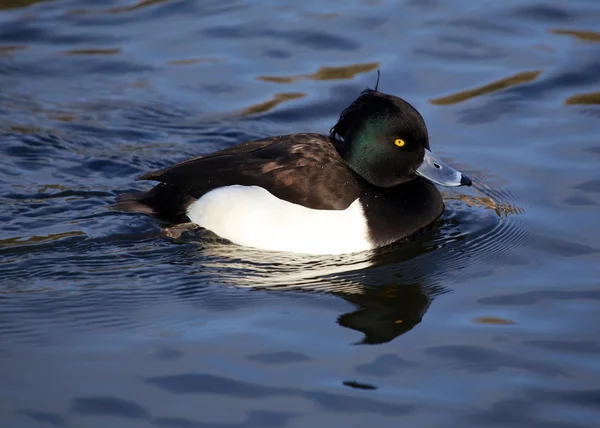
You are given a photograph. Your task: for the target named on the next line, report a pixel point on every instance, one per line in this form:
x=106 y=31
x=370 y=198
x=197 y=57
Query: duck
x=370 y=183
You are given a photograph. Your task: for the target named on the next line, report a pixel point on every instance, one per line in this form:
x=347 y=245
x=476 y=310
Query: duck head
x=384 y=139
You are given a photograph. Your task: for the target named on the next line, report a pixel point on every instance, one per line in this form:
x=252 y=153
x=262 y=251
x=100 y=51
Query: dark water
x=492 y=319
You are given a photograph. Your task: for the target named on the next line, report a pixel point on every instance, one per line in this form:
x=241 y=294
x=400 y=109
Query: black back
x=305 y=169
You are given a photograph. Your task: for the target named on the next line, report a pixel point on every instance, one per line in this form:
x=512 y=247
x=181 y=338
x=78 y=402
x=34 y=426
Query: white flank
x=251 y=216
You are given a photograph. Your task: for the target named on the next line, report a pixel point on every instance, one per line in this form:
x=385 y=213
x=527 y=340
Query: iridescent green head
x=384 y=139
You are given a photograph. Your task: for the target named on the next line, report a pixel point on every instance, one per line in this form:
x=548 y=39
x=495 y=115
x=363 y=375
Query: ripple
x=281 y=357
x=48 y=418
x=108 y=406
x=255 y=418
x=476 y=358
x=461 y=48
x=271 y=104
x=141 y=4
x=318 y=40
x=206 y=384
x=73 y=311
x=326 y=73
x=15 y=4
x=192 y=61
x=532 y=297
x=385 y=366
x=544 y=13
x=586 y=36
x=516 y=79
x=492 y=237
x=493 y=321
x=19 y=241
x=10 y=49
x=571 y=346
x=584 y=99
x=93 y=51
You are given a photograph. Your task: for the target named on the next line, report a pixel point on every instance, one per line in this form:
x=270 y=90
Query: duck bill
x=438 y=172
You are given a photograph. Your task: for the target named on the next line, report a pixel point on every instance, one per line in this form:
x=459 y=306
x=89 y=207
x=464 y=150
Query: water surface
x=490 y=319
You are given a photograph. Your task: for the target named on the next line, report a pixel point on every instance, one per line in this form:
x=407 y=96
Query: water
x=490 y=319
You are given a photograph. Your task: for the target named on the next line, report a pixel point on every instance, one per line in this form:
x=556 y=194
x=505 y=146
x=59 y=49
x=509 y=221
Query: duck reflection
x=382 y=315
x=391 y=289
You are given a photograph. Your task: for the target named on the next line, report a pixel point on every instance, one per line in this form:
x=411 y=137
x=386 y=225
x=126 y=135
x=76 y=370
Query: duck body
x=306 y=192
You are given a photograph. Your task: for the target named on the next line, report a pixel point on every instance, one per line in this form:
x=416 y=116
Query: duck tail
x=163 y=201
x=133 y=203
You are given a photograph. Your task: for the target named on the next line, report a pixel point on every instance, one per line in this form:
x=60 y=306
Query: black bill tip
x=465 y=181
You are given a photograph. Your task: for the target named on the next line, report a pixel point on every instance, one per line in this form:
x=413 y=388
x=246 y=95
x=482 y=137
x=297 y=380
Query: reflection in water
x=271 y=104
x=493 y=321
x=139 y=5
x=118 y=9
x=391 y=288
x=18 y=241
x=326 y=73
x=523 y=77
x=501 y=209
x=588 y=36
x=192 y=61
x=383 y=314
x=17 y=129
x=9 y=49
x=359 y=385
x=591 y=98
x=14 y=4
x=93 y=51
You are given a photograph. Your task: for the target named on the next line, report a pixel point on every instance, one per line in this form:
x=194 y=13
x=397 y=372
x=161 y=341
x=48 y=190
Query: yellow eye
x=399 y=142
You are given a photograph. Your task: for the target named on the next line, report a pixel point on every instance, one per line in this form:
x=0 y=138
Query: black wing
x=305 y=169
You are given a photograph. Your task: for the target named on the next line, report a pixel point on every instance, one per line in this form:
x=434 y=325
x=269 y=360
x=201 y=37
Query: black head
x=384 y=139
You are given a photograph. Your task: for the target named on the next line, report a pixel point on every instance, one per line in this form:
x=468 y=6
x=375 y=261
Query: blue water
x=491 y=319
